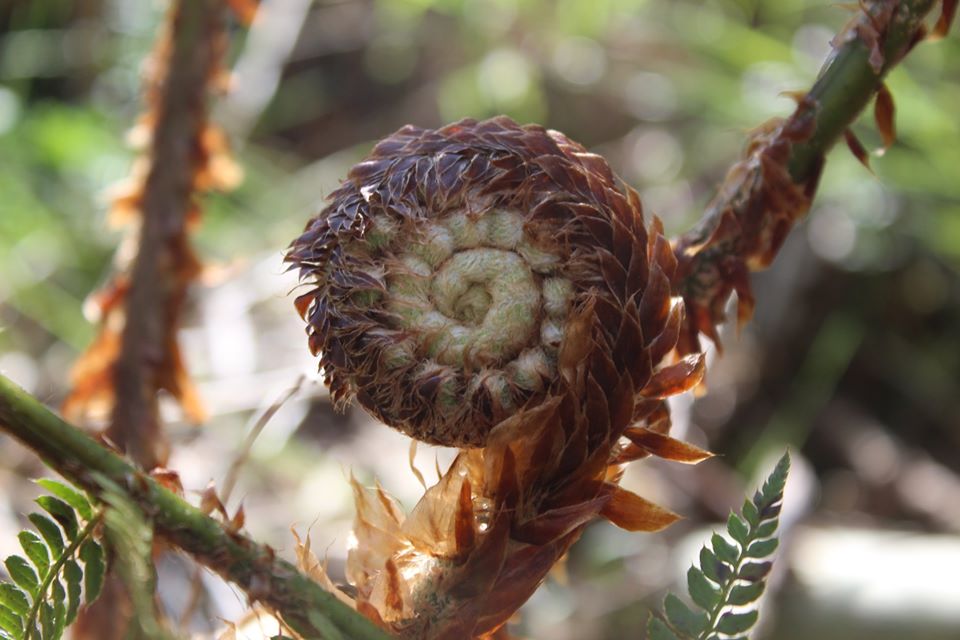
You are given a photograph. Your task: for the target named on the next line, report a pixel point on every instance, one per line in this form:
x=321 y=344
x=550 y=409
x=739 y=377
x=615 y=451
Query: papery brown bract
x=883 y=113
x=750 y=217
x=483 y=538
x=947 y=15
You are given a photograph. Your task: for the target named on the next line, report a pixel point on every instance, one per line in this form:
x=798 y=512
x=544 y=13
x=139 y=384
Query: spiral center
x=490 y=299
x=478 y=302
x=471 y=307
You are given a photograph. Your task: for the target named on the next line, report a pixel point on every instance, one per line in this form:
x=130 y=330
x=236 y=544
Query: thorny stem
x=302 y=603
x=157 y=279
x=849 y=81
x=230 y=481
x=845 y=86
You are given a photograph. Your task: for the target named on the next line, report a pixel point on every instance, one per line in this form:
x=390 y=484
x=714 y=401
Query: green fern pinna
x=731 y=575
x=61 y=560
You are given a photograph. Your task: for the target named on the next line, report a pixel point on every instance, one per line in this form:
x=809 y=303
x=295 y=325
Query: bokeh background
x=853 y=358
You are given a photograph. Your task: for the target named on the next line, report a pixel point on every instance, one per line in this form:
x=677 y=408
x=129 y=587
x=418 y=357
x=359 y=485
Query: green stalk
x=744 y=225
x=848 y=83
x=302 y=603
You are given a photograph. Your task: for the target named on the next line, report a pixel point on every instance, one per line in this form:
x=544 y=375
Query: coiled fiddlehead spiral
x=493 y=287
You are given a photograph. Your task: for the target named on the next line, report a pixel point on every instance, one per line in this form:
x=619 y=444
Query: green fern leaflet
x=44 y=594
x=732 y=575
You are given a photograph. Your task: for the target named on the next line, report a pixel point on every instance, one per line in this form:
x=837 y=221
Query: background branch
x=165 y=265
x=772 y=186
x=303 y=604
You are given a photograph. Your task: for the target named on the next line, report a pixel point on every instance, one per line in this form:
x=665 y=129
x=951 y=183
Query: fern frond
x=732 y=574
x=44 y=594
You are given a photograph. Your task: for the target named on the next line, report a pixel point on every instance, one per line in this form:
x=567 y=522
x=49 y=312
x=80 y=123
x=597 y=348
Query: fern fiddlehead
x=493 y=287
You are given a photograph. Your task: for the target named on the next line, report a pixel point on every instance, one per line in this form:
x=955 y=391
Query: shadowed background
x=853 y=358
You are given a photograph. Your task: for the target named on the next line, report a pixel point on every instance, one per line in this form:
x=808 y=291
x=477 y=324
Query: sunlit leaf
x=737 y=528
x=13 y=598
x=50 y=532
x=22 y=574
x=74 y=577
x=682 y=617
x=62 y=513
x=11 y=622
x=731 y=623
x=742 y=594
x=69 y=495
x=753 y=571
x=658 y=630
x=724 y=550
x=705 y=594
x=761 y=548
x=94 y=569
x=35 y=549
x=750 y=514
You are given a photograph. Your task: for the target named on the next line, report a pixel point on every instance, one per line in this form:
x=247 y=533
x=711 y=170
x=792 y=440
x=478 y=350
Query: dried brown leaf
x=629 y=511
x=883 y=113
x=676 y=378
x=245 y=10
x=169 y=478
x=948 y=13
x=235 y=524
x=857 y=149
x=210 y=502
x=664 y=446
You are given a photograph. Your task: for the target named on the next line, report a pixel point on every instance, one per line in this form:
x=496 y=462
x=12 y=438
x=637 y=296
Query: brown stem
x=164 y=264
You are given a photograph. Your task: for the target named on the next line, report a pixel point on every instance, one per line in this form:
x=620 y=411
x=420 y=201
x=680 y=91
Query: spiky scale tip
x=447 y=265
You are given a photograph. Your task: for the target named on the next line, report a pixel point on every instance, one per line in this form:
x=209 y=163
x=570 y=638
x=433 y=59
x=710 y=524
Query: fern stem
x=849 y=81
x=253 y=567
x=54 y=570
x=163 y=268
x=771 y=187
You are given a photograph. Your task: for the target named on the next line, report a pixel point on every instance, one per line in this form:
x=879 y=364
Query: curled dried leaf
x=857 y=149
x=629 y=511
x=883 y=113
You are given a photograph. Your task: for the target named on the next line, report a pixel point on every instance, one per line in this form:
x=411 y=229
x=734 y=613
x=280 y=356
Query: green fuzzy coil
x=476 y=302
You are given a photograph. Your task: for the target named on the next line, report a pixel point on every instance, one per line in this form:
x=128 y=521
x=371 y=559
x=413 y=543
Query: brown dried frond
x=495 y=287
x=747 y=222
